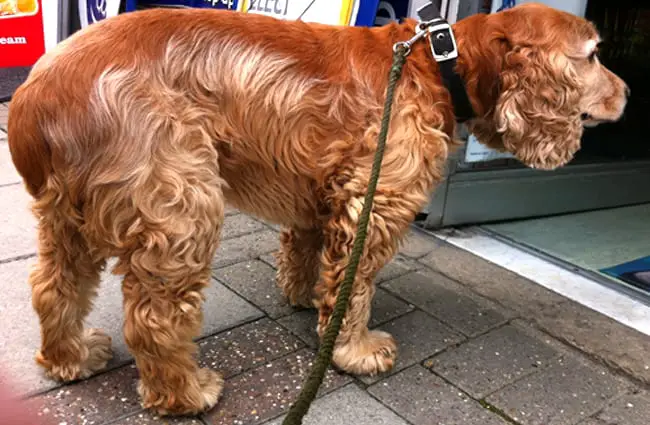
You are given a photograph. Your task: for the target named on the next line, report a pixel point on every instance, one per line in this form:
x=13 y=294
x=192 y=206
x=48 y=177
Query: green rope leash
x=324 y=359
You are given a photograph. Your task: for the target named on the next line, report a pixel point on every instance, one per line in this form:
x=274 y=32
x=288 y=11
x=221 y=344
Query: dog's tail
x=30 y=151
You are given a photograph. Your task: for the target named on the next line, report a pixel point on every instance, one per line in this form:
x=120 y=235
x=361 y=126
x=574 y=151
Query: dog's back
x=136 y=76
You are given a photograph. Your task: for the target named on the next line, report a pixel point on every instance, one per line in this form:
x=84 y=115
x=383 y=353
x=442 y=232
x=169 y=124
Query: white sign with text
x=475 y=151
x=332 y=12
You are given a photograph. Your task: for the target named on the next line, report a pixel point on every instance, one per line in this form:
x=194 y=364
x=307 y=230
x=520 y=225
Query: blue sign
x=507 y=4
x=91 y=11
x=96 y=10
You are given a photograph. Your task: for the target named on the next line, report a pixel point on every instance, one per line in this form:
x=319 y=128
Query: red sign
x=22 y=40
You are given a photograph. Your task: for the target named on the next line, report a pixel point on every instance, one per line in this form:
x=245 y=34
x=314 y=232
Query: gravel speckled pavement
x=478 y=344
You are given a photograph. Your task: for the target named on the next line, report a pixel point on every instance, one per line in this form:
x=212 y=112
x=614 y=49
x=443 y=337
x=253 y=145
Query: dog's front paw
x=370 y=355
x=211 y=387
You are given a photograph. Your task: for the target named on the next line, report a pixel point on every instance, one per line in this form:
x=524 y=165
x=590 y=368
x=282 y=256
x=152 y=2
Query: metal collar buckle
x=442 y=41
x=441 y=37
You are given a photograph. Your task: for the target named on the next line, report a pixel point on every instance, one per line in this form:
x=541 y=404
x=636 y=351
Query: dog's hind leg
x=299 y=264
x=64 y=283
x=180 y=212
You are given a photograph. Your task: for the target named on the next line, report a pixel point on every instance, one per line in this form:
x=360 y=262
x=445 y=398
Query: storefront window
x=625 y=29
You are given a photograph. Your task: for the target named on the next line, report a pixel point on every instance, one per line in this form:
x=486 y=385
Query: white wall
x=50 y=22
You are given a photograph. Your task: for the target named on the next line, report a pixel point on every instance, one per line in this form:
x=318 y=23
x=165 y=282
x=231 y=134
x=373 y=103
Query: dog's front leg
x=358 y=350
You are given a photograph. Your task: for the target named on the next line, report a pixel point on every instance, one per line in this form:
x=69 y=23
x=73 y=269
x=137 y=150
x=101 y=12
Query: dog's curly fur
x=135 y=132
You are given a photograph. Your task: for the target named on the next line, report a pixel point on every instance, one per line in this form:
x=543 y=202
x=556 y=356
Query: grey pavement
x=478 y=345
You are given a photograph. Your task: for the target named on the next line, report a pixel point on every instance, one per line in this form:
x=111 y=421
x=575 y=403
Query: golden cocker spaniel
x=134 y=133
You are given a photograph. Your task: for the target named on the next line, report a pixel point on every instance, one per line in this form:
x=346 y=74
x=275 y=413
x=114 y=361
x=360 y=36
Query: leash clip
x=419 y=33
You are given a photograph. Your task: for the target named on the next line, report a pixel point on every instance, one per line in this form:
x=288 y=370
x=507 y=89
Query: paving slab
x=8 y=173
x=385 y=307
x=97 y=400
x=246 y=247
x=417 y=244
x=255 y=281
x=422 y=398
x=491 y=361
x=399 y=266
x=565 y=393
x=230 y=210
x=17 y=223
x=631 y=409
x=264 y=393
x=418 y=337
x=449 y=302
x=592 y=421
x=346 y=406
x=587 y=330
x=238 y=225
x=20 y=339
x=245 y=347
x=4 y=115
x=303 y=324
x=146 y=418
x=274 y=226
x=269 y=259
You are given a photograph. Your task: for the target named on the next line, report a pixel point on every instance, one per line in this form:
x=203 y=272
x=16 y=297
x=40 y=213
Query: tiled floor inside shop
x=478 y=345
x=593 y=240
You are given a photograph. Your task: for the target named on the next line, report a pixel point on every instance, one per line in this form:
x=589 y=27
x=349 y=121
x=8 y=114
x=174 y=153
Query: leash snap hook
x=405 y=46
x=420 y=32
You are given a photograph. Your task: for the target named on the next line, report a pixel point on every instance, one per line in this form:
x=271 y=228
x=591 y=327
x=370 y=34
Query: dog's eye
x=594 y=53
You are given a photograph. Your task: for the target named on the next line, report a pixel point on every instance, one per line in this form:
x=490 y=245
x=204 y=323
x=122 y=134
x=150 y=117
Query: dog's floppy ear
x=537 y=113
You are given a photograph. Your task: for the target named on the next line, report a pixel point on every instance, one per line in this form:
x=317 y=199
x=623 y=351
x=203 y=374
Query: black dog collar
x=445 y=52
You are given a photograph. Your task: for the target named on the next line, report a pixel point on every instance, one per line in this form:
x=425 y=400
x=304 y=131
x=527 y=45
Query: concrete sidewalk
x=478 y=345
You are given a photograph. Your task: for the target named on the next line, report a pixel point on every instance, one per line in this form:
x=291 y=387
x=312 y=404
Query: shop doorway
x=592 y=216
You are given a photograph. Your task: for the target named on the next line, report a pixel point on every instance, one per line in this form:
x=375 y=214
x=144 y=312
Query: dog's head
x=535 y=78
